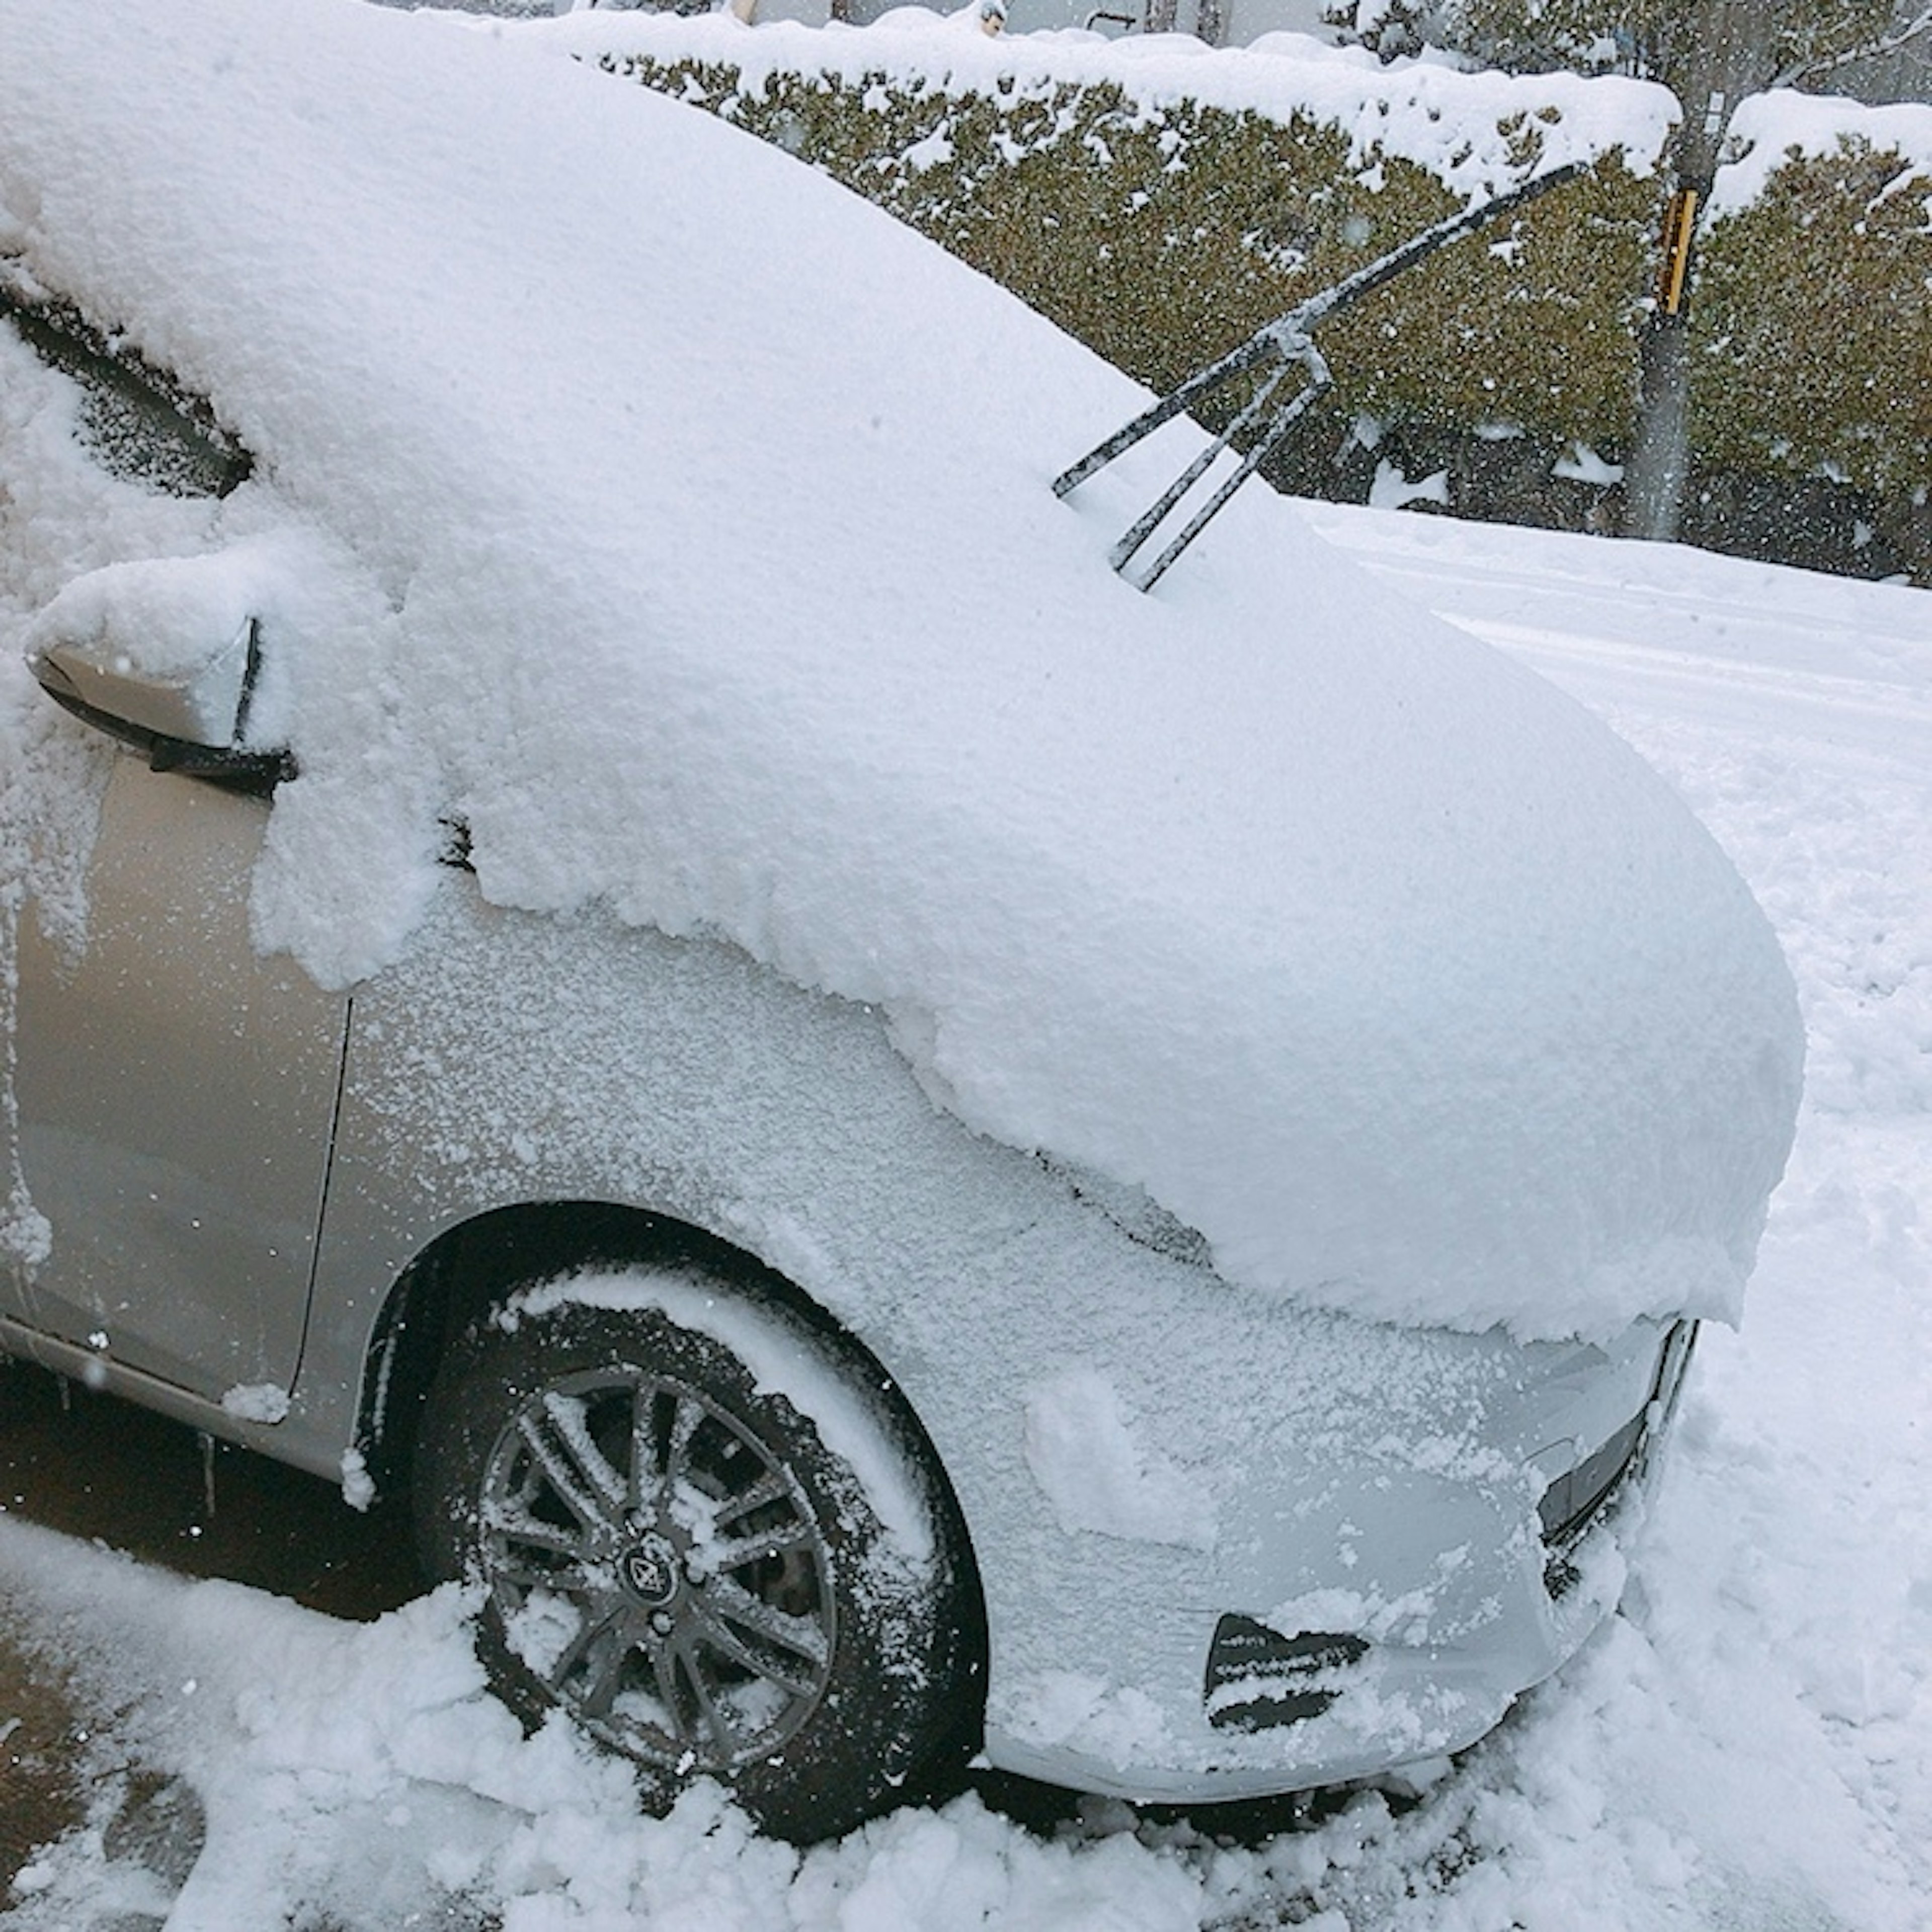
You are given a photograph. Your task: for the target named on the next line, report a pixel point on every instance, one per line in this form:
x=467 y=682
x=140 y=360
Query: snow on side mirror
x=163 y=654
x=202 y=706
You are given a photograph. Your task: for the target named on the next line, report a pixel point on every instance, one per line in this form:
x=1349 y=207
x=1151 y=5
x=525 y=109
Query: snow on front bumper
x=1382 y=1617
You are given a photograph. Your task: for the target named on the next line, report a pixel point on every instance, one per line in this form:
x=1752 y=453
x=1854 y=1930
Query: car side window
x=144 y=427
x=138 y=422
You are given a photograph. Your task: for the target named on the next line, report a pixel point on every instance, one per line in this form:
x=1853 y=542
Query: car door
x=175 y=1096
x=170 y=1094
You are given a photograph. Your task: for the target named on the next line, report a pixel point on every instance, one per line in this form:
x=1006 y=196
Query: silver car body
x=1228 y=1542
x=241 y=1167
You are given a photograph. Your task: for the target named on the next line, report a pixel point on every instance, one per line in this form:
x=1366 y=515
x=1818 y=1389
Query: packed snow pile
x=1473 y=130
x=682 y=525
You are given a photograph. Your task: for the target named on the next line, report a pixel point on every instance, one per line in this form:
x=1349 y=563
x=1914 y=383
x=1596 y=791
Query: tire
x=669 y=1551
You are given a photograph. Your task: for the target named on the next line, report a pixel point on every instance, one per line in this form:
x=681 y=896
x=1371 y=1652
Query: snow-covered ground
x=1749 y=1745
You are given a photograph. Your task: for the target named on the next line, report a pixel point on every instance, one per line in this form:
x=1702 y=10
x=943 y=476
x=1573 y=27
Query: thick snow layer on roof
x=1464 y=127
x=683 y=525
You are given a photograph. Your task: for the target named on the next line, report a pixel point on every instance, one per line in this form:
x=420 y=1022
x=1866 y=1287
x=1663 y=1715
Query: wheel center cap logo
x=650 y=1570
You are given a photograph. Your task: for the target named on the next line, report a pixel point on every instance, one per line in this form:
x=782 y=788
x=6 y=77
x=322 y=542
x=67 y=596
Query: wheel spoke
x=733 y=1554
x=800 y=1636
x=559 y=1470
x=645 y=1486
x=711 y=1713
x=685 y=1416
x=665 y=1663
x=608 y=1654
x=571 y=1434
x=595 y=1622
x=720 y=1636
x=770 y=1487
x=570 y=1583
x=520 y=1528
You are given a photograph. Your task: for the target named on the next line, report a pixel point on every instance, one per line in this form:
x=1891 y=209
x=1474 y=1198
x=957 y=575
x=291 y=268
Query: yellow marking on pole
x=1678 y=221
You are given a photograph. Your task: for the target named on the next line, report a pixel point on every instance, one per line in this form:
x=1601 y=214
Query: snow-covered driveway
x=1750 y=1745
x=1744 y=649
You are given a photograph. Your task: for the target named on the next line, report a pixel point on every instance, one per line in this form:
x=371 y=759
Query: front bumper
x=1371 y=1619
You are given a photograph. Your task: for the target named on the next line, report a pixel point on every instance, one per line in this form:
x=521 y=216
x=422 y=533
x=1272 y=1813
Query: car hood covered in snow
x=683 y=526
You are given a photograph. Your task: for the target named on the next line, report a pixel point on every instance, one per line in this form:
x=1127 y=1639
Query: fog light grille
x=1257 y=1679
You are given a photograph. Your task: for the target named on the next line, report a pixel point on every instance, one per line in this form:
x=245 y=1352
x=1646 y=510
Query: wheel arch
x=475 y=1264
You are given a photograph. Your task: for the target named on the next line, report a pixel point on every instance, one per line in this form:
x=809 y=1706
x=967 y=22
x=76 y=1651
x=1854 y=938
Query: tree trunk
x=1725 y=52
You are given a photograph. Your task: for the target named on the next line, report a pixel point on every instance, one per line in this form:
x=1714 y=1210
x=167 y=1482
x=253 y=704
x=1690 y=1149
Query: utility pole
x=1725 y=51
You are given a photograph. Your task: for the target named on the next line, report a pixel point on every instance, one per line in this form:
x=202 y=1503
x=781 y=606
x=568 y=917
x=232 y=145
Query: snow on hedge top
x=1768 y=129
x=1467 y=129
x=682 y=524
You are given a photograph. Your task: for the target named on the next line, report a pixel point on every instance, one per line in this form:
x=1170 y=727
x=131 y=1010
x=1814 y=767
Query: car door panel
x=176 y=1096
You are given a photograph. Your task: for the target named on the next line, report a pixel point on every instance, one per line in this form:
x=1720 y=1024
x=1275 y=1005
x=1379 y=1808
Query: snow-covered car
x=911 y=1150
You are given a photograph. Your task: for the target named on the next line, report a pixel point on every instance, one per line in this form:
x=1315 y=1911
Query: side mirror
x=172 y=676
x=203 y=705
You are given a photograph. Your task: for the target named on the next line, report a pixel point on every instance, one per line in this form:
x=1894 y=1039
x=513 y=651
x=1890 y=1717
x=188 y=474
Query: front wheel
x=719 y=1569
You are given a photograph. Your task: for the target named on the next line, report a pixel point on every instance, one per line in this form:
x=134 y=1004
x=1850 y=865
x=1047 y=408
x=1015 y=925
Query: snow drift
x=682 y=527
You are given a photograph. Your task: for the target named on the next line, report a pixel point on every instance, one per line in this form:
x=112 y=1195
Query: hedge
x=1813 y=319
x=1160 y=233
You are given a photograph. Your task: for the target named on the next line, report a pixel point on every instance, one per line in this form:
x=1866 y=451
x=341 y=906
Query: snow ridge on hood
x=688 y=532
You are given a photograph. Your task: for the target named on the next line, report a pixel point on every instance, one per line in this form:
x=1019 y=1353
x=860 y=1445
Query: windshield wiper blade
x=1288 y=341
